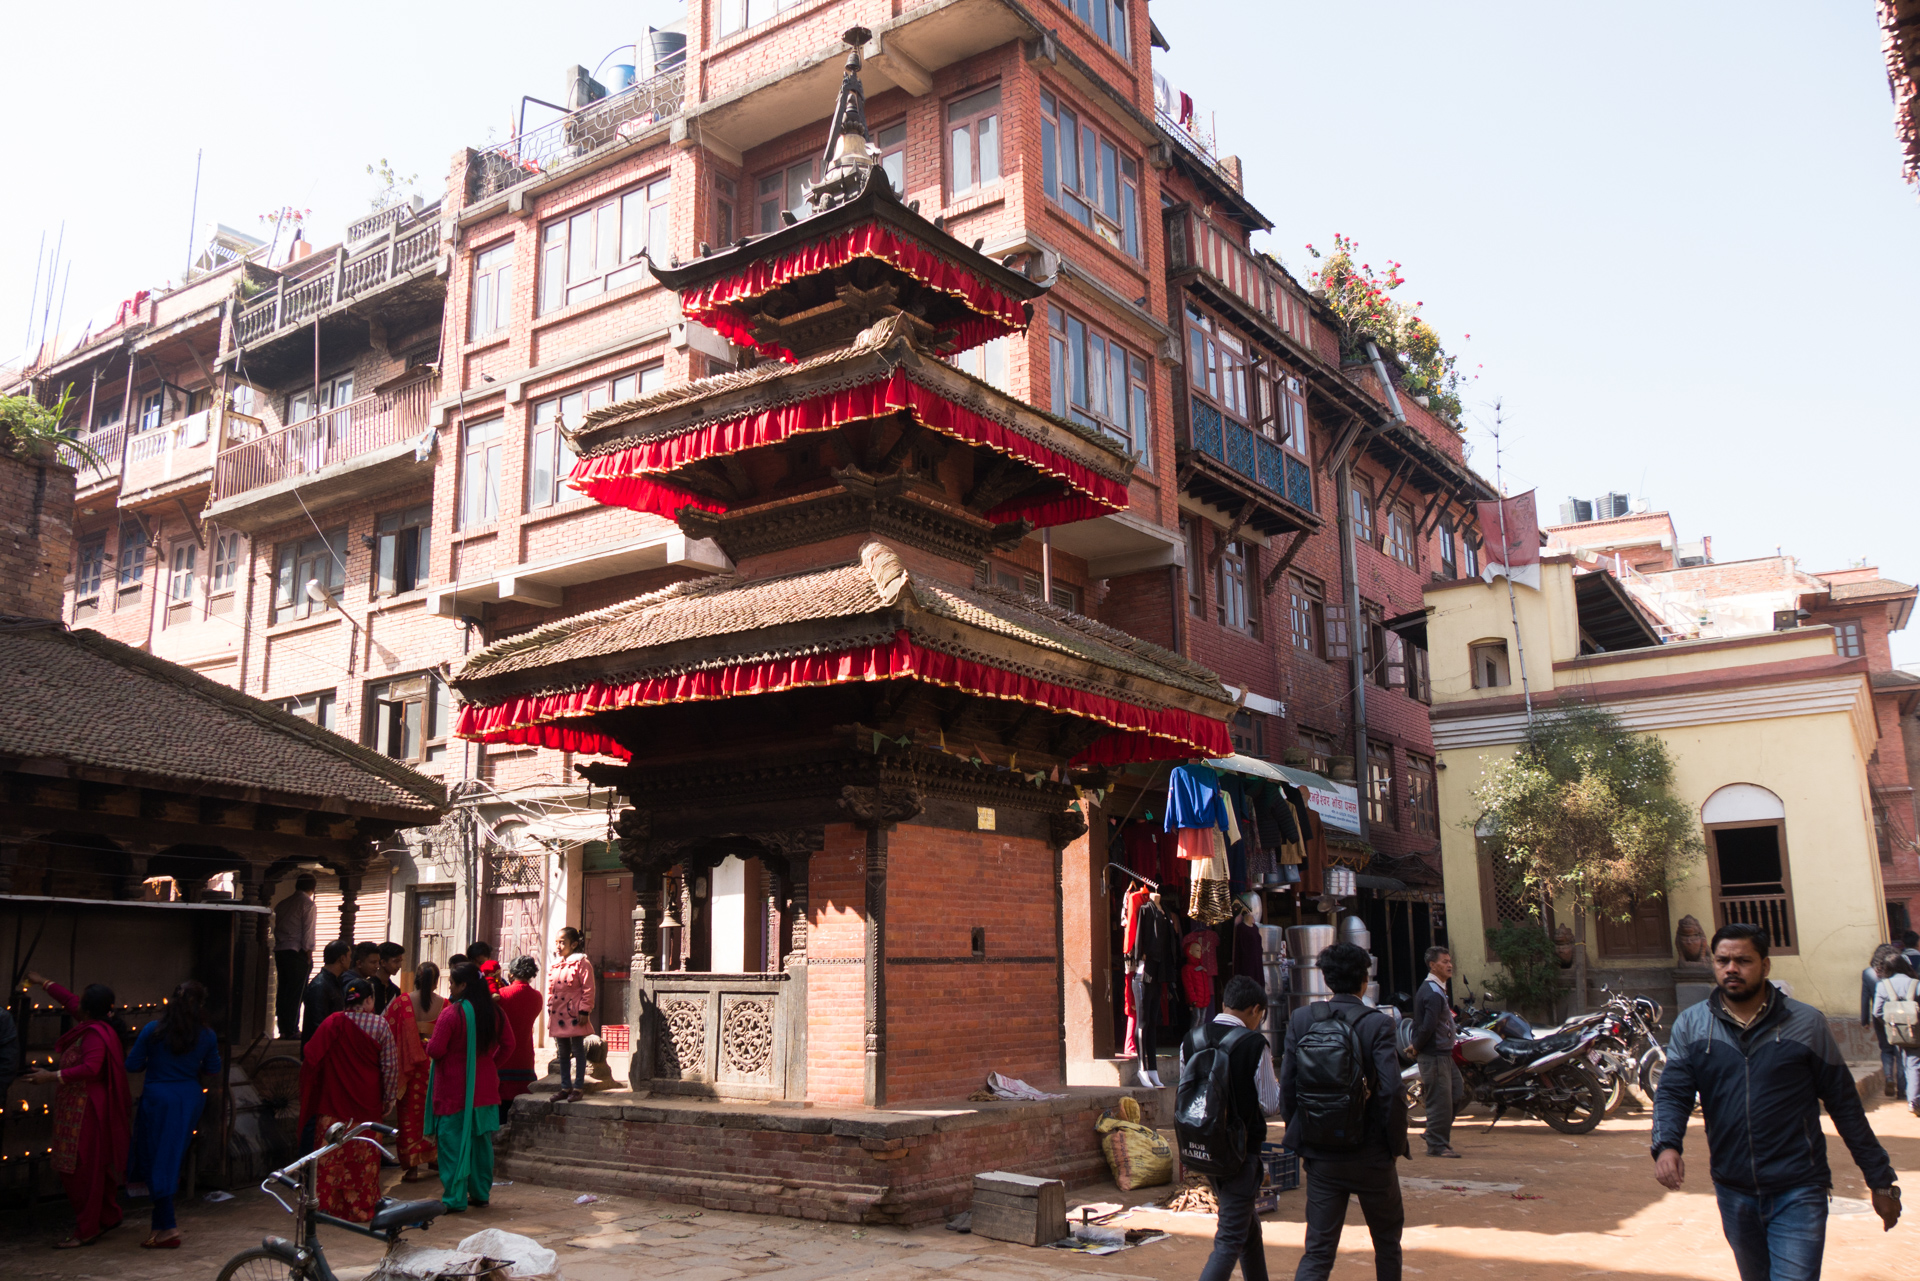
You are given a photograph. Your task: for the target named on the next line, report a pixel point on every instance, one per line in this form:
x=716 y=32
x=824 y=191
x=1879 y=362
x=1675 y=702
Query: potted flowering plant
x=1362 y=298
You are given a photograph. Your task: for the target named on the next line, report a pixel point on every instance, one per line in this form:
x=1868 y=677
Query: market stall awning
x=1337 y=804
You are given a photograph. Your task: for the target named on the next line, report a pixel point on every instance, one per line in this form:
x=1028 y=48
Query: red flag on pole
x=1510 y=528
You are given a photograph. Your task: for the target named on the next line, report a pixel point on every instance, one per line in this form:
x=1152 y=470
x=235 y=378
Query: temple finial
x=849 y=155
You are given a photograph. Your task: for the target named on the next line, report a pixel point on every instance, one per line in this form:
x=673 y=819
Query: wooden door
x=514 y=927
x=1644 y=933
x=433 y=926
x=606 y=917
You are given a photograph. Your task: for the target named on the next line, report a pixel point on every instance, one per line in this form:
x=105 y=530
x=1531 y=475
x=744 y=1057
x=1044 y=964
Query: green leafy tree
x=32 y=430
x=394 y=187
x=1586 y=810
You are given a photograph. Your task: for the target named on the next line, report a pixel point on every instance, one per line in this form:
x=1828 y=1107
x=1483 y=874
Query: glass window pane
x=553 y=274
x=1137 y=427
x=989 y=148
x=1100 y=19
x=633 y=224
x=596 y=397
x=571 y=409
x=993 y=363
x=894 y=164
x=797 y=178
x=609 y=237
x=580 y=247
x=974 y=103
x=544 y=411
x=502 y=296
x=625 y=388
x=1110 y=180
x=1117 y=385
x=660 y=233
x=961 y=156
x=1090 y=161
x=540 y=469
x=1077 y=355
x=1130 y=220
x=1118 y=35
x=1096 y=374
x=653 y=379
x=1049 y=174
x=1058 y=361
x=1069 y=151
x=659 y=188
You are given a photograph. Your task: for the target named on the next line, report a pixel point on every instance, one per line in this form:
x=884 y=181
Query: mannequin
x=1151 y=963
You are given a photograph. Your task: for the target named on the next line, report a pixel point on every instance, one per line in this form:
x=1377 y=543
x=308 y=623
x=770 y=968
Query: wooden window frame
x=1074 y=174
x=1483 y=852
x=1307 y=613
x=1248 y=731
x=1196 y=557
x=1480 y=647
x=1075 y=347
x=730 y=17
x=1423 y=796
x=769 y=204
x=130 y=567
x=1382 y=807
x=1449 y=556
x=726 y=210
x=89 y=571
x=1220 y=369
x=1786 y=877
x=490 y=299
x=403 y=542
x=890 y=142
x=982 y=121
x=324 y=557
x=1236 y=587
x=1469 y=557
x=1360 y=512
x=1849 y=638
x=1320 y=748
x=1106 y=19
x=1401 y=544
x=594 y=250
x=319 y=708
x=387 y=713
x=183 y=566
x=550 y=456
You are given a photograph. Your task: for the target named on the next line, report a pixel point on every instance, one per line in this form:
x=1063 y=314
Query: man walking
x=1256 y=1096
x=325 y=994
x=293 y=923
x=1346 y=1116
x=1761 y=1064
x=1444 y=1089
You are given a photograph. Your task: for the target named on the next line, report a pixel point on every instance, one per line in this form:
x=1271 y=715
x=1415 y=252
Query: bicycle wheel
x=1584 y=1105
x=259 y=1265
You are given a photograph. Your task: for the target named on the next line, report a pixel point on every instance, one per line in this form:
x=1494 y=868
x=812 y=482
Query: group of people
x=1893 y=975
x=1759 y=1065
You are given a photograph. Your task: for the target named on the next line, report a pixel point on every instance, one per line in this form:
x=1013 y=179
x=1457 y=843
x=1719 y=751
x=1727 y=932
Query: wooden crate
x=1019 y=1208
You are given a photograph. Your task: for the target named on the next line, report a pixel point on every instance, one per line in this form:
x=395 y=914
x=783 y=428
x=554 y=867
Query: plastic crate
x=619 y=1038
x=1279 y=1172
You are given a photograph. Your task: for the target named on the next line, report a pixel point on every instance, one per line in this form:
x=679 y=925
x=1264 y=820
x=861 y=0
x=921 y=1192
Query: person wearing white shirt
x=294 y=920
x=1255 y=1091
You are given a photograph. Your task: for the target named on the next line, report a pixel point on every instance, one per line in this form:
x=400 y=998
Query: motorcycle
x=1551 y=1077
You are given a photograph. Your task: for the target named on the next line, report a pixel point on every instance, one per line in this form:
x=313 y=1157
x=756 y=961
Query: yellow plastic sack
x=1138 y=1157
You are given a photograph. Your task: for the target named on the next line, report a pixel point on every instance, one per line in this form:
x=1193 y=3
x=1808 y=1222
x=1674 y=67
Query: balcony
x=296 y=300
x=1236 y=278
x=1767 y=906
x=1227 y=465
x=172 y=452
x=98 y=458
x=551 y=148
x=364 y=447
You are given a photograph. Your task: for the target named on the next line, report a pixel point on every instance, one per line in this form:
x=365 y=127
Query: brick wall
x=37 y=538
x=836 y=967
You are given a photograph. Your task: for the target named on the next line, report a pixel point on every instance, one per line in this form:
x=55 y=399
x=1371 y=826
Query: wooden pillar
x=875 y=1088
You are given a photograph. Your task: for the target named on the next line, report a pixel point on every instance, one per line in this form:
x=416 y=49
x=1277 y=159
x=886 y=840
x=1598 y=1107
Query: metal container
x=1354 y=930
x=1309 y=981
x=1370 y=994
x=1304 y=942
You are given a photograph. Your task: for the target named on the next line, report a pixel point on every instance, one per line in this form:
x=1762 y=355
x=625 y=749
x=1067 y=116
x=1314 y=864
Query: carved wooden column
x=877 y=810
x=1063 y=829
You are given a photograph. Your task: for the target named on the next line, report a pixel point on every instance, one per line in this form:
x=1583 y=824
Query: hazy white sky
x=1676 y=231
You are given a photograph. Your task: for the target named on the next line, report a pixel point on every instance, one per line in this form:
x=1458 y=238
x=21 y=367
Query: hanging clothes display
x=1234 y=788
x=1130 y=905
x=1247 y=957
x=1193 y=798
x=1212 y=898
x=1152 y=963
x=1201 y=948
x=1263 y=865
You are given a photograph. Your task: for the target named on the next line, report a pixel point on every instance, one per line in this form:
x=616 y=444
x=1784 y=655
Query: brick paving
x=1598 y=1213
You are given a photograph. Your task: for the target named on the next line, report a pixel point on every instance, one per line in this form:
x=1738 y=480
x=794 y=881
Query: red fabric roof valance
x=723 y=305
x=1144 y=734
x=638 y=476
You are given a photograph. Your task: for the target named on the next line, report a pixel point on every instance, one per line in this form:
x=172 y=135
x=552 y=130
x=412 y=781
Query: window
x=1307 y=613
x=1488 y=660
x=1108 y=18
x=1282 y=407
x=130 y=566
x=1319 y=750
x=1419 y=675
x=1380 y=807
x=1423 y=803
x=783 y=189
x=410 y=718
x=891 y=143
x=226 y=562
x=1360 y=506
x=180 y=573
x=487 y=308
x=725 y=196
x=1471 y=557
x=89 y=567
x=400 y=550
x=973 y=141
x=480 y=475
x=317 y=708
x=1029 y=585
x=1249 y=733
x=1449 y=566
x=1504 y=896
x=1217 y=365
x=106 y=418
x=1339 y=646
x=1196 y=594
x=1087 y=175
x=1234 y=602
x=331 y=394
x=1400 y=543
x=1098 y=383
x=1846 y=639
x=592 y=251
x=1387 y=655
x=319 y=559
x=152 y=410
x=550 y=455
x=738 y=15
x=987 y=362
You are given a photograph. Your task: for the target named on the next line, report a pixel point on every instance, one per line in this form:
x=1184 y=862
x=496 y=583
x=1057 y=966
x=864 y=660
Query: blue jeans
x=1909 y=1076
x=573 y=1062
x=1778 y=1236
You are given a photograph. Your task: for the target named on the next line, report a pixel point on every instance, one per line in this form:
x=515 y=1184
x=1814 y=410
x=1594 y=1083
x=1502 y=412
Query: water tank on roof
x=1608 y=506
x=666 y=50
x=1576 y=511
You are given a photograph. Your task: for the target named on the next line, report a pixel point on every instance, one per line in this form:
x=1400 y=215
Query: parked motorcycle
x=1551 y=1077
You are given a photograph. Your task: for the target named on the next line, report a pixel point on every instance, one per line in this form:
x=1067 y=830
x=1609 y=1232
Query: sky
x=1678 y=235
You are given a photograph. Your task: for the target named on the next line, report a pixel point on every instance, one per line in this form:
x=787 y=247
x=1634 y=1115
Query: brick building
x=388 y=464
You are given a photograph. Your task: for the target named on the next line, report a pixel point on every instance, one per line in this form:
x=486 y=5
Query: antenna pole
x=1513 y=605
x=193 y=215
x=33 y=296
x=46 y=311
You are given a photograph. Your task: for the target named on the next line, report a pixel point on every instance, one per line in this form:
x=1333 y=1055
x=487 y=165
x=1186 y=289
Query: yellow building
x=1770 y=736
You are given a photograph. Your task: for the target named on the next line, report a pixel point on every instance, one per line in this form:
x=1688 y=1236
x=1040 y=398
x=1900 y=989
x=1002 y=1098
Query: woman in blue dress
x=175 y=1051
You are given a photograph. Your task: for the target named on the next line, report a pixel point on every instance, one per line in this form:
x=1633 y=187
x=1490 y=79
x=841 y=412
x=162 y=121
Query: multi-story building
x=390 y=464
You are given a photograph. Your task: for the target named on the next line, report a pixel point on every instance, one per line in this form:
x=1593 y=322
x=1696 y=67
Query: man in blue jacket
x=1761 y=1064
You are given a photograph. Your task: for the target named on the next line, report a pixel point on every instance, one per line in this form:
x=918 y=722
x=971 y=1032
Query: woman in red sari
x=411 y=1017
x=351 y=1075
x=520 y=1004
x=92 y=1109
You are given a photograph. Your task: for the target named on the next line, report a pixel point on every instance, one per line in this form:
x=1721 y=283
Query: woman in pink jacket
x=570 y=996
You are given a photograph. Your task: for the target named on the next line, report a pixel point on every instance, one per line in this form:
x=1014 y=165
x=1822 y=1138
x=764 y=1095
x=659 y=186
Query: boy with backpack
x=1227 y=1092
x=1346 y=1116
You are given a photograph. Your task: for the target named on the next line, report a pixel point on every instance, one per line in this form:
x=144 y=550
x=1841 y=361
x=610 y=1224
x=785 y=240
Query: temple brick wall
x=37 y=538
x=836 y=967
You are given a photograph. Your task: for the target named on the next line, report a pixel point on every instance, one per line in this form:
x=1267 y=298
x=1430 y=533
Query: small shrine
x=850 y=764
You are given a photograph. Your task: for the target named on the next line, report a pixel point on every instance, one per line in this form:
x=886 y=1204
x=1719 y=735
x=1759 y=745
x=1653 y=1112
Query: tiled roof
x=726 y=605
x=1871 y=589
x=92 y=702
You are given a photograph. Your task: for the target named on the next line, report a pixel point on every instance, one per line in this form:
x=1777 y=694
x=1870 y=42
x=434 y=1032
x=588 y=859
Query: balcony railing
x=1772 y=912
x=1247 y=452
x=1194 y=242
x=314 y=444
x=294 y=301
x=1196 y=143
x=101 y=459
x=553 y=147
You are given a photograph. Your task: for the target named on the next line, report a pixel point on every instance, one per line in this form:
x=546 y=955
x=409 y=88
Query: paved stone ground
x=1587 y=1207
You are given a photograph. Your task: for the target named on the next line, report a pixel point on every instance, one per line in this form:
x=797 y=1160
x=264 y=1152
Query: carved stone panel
x=747 y=1035
x=682 y=1048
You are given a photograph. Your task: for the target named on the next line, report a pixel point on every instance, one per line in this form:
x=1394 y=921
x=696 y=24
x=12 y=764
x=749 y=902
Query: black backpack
x=1212 y=1138
x=1331 y=1079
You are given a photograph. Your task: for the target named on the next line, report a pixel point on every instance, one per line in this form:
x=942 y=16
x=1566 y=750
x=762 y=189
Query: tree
x=394 y=188
x=1586 y=810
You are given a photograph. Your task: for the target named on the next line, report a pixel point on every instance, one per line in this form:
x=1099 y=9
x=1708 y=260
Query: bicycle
x=304 y=1258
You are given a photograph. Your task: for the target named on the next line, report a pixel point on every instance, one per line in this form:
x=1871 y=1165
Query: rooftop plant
x=1363 y=299
x=29 y=429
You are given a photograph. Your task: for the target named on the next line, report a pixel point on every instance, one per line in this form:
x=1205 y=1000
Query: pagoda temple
x=850 y=764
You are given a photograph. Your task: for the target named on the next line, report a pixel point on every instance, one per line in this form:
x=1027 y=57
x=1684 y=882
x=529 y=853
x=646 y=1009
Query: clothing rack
x=1127 y=871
